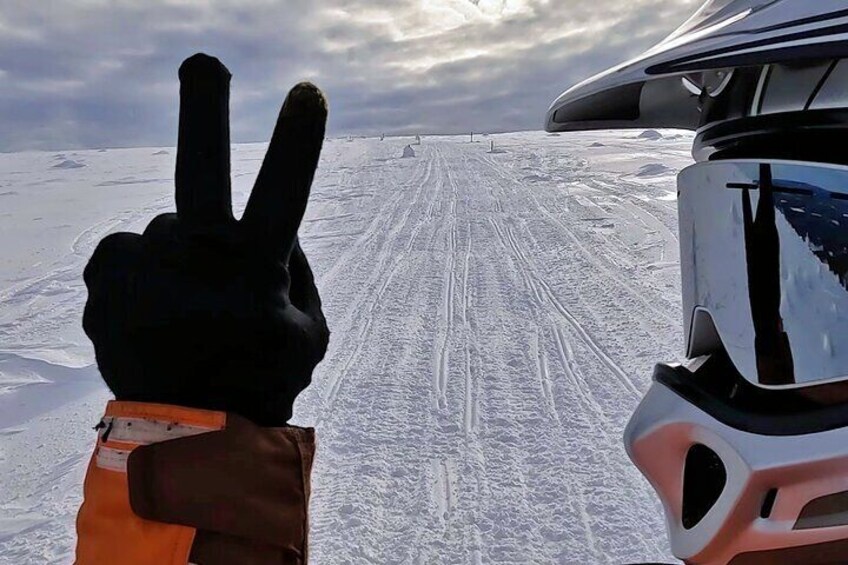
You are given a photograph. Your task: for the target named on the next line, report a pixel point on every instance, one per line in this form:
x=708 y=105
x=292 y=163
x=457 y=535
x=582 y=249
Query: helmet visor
x=764 y=258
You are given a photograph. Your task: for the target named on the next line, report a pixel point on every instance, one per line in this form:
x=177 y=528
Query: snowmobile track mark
x=444 y=482
x=590 y=255
x=336 y=376
x=578 y=382
x=544 y=290
x=545 y=380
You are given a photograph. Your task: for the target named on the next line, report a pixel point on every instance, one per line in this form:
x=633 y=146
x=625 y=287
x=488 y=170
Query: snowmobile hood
x=664 y=86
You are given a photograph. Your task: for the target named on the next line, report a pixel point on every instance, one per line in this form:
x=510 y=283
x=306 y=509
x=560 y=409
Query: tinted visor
x=764 y=258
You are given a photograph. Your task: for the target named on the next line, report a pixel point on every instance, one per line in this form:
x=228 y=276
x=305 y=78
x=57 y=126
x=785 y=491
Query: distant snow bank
x=69 y=164
x=651 y=134
x=654 y=169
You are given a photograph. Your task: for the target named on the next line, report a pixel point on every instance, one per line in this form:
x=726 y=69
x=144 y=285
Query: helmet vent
x=824 y=512
x=704 y=478
x=768 y=503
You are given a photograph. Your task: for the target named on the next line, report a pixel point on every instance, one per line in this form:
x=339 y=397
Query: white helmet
x=746 y=442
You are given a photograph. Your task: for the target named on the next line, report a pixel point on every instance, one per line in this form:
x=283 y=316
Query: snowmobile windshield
x=764 y=259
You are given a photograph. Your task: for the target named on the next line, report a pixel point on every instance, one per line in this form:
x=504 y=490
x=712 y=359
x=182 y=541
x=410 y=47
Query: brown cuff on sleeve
x=211 y=548
x=244 y=482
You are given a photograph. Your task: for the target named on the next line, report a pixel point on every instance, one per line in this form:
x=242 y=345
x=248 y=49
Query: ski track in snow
x=495 y=318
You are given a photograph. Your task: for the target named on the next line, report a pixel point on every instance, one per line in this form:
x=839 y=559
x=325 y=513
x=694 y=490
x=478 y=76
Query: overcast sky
x=103 y=73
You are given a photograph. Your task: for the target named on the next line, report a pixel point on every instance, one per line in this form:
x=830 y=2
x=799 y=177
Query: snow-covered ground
x=495 y=317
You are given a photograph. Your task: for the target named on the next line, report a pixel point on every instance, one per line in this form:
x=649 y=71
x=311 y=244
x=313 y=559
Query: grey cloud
x=98 y=74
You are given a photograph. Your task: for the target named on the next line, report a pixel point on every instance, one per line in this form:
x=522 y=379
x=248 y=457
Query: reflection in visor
x=764 y=265
x=762 y=248
x=817 y=215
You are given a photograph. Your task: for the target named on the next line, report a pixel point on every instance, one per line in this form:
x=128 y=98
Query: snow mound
x=30 y=387
x=69 y=164
x=653 y=170
x=408 y=151
x=650 y=134
x=161 y=152
x=597 y=144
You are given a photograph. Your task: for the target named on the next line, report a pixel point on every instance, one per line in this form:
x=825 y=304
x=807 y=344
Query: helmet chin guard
x=746 y=444
x=731 y=495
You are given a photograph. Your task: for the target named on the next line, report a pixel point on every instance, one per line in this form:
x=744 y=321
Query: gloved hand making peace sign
x=203 y=310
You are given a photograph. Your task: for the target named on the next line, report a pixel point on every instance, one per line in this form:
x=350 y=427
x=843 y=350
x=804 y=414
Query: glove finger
x=106 y=277
x=303 y=293
x=203 y=147
x=278 y=201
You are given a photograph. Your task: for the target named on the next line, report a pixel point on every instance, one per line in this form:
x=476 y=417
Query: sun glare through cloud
x=438 y=16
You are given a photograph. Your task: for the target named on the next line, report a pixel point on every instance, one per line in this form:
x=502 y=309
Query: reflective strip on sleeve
x=142 y=431
x=135 y=432
x=112 y=459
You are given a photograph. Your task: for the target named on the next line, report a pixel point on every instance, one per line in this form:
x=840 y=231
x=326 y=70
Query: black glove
x=203 y=310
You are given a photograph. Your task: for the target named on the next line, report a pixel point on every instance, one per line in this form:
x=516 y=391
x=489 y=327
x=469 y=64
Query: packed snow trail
x=495 y=319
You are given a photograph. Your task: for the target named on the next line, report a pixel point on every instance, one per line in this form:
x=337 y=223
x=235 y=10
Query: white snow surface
x=495 y=320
